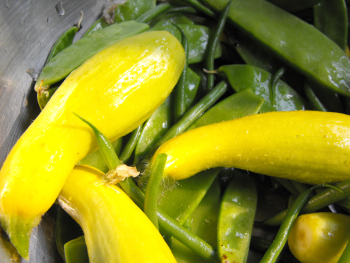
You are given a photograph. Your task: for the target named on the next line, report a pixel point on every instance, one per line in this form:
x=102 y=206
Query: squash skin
x=116 y=90
x=115 y=229
x=306 y=146
x=319 y=237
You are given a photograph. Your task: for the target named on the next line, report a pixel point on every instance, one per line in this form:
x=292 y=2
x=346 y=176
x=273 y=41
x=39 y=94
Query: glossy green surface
x=73 y=56
x=236 y=218
x=294 y=5
x=203 y=222
x=280 y=32
x=132 y=9
x=242 y=77
x=330 y=17
x=181 y=199
x=235 y=106
x=153 y=130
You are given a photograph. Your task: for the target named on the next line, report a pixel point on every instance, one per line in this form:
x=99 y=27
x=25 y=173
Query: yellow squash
x=319 y=237
x=306 y=146
x=115 y=229
x=116 y=90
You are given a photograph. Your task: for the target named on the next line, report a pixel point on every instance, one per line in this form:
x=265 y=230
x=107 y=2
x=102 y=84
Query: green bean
x=152 y=13
x=310 y=94
x=212 y=44
x=280 y=240
x=191 y=115
x=105 y=146
x=203 y=9
x=182 y=10
x=317 y=202
x=153 y=188
x=166 y=223
x=131 y=144
x=180 y=88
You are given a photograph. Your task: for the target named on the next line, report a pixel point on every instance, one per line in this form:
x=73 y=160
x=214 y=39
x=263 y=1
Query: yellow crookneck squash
x=116 y=90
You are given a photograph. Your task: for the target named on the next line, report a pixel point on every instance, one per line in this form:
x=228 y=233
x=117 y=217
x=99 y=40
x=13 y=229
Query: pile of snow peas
x=243 y=57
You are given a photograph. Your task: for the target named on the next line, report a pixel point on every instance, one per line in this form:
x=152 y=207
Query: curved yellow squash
x=116 y=90
x=306 y=146
x=115 y=229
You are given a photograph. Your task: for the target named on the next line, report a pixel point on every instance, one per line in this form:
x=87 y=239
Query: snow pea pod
x=65 y=40
x=203 y=223
x=198 y=36
x=236 y=218
x=241 y=77
x=238 y=105
x=295 y=5
x=301 y=154
x=153 y=129
x=99 y=24
x=330 y=17
x=76 y=54
x=279 y=31
x=132 y=10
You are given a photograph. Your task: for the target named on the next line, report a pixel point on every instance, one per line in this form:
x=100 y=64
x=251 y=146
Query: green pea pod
x=99 y=24
x=203 y=222
x=236 y=218
x=235 y=106
x=73 y=56
x=179 y=202
x=132 y=9
x=153 y=130
x=191 y=88
x=295 y=5
x=252 y=54
x=76 y=251
x=330 y=17
x=198 y=36
x=279 y=31
x=65 y=40
x=241 y=77
x=95 y=159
